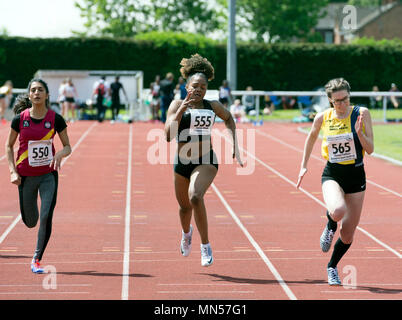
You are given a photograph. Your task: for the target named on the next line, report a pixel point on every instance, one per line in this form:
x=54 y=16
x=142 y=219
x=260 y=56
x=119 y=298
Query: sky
x=40 y=18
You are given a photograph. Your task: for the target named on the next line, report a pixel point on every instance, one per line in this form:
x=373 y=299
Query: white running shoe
x=185 y=245
x=35 y=266
x=326 y=239
x=333 y=277
x=206 y=255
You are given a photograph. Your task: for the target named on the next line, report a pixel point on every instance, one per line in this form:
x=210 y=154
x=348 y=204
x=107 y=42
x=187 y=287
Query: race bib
x=201 y=121
x=341 y=148
x=40 y=152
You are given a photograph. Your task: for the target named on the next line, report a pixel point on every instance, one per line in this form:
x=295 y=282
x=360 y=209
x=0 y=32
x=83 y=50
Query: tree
x=284 y=20
x=126 y=18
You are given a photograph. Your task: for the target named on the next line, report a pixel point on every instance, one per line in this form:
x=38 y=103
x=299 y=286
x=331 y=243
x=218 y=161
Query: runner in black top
x=190 y=121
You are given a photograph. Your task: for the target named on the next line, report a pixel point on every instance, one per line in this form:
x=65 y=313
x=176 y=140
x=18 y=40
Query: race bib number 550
x=40 y=152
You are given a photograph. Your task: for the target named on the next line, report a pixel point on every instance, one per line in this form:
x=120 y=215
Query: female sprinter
x=35 y=168
x=190 y=121
x=347 y=135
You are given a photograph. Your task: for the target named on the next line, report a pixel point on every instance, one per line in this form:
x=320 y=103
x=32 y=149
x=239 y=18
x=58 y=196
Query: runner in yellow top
x=347 y=135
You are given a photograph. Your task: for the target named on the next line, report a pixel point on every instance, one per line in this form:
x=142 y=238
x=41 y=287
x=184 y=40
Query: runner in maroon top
x=35 y=169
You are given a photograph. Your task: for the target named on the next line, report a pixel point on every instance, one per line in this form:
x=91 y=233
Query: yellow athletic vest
x=340 y=143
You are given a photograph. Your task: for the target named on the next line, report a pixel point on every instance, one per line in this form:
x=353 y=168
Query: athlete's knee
x=185 y=209
x=30 y=223
x=196 y=198
x=338 y=213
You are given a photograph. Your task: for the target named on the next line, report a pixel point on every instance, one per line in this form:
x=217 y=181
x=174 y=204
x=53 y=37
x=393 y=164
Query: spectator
x=61 y=98
x=238 y=111
x=269 y=106
x=394 y=100
x=101 y=90
x=375 y=102
x=115 y=93
x=225 y=95
x=6 y=92
x=181 y=88
x=155 y=99
x=248 y=101
x=69 y=94
x=167 y=94
x=288 y=102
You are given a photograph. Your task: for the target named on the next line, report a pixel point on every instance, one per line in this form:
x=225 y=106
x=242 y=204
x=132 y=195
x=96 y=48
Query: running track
x=116 y=230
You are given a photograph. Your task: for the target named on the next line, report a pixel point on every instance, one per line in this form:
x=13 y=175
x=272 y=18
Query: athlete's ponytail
x=22 y=101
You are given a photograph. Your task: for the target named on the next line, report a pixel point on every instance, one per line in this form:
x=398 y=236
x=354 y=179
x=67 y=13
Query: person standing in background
x=167 y=94
x=115 y=93
x=6 y=92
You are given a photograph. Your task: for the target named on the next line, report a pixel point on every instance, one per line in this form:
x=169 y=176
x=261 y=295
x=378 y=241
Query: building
x=342 y=22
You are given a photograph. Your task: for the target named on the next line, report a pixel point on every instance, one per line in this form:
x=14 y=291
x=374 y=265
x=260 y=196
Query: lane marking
x=126 y=258
x=269 y=264
x=18 y=218
x=316 y=199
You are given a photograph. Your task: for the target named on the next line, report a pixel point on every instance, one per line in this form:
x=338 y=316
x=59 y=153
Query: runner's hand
x=301 y=175
x=187 y=101
x=15 y=178
x=236 y=154
x=359 y=124
x=56 y=161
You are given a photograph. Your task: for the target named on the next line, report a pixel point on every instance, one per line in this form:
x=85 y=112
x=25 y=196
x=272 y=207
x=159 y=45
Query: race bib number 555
x=341 y=148
x=40 y=152
x=201 y=121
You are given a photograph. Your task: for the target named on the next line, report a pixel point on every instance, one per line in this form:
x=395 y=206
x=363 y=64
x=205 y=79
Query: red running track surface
x=116 y=230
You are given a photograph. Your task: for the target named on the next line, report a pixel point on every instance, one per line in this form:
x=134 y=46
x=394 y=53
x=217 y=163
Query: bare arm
x=308 y=146
x=174 y=114
x=56 y=162
x=226 y=116
x=12 y=137
x=366 y=138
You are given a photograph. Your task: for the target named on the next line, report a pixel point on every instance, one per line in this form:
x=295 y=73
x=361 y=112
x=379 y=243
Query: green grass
x=388 y=140
x=283 y=115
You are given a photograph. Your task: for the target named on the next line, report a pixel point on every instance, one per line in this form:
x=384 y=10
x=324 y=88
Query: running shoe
x=206 y=255
x=333 y=277
x=185 y=245
x=326 y=239
x=35 y=266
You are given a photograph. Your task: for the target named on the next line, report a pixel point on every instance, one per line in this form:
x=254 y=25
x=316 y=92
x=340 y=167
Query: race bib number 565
x=40 y=152
x=341 y=148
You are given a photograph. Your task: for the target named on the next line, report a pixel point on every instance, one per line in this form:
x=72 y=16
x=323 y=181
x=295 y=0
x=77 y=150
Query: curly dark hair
x=195 y=65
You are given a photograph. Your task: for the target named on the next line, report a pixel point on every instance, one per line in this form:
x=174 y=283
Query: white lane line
x=317 y=200
x=18 y=218
x=126 y=258
x=314 y=198
x=271 y=267
x=321 y=160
